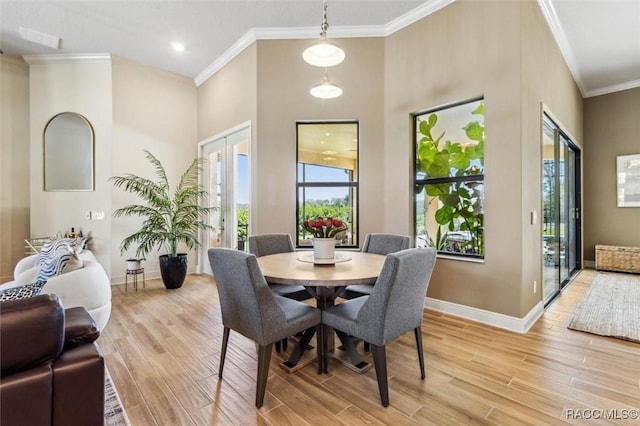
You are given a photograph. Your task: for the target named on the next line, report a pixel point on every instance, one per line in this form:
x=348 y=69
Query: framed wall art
x=628 y=180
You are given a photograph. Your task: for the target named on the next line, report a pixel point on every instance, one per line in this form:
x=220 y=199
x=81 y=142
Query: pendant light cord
x=325 y=23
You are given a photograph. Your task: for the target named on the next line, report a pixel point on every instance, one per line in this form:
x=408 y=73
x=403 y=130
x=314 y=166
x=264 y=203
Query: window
x=327 y=176
x=449 y=178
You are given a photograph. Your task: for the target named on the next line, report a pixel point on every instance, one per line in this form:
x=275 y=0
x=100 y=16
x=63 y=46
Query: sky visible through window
x=313 y=174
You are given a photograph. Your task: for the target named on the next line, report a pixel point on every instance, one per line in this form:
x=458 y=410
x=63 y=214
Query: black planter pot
x=173 y=270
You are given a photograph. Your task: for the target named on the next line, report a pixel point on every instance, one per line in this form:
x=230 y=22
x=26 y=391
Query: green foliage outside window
x=450 y=173
x=243 y=223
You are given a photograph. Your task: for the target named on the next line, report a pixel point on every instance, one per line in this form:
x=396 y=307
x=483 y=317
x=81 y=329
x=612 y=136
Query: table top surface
x=286 y=268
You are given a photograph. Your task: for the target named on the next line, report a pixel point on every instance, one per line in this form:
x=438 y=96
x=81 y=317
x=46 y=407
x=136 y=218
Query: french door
x=226 y=179
x=561 y=193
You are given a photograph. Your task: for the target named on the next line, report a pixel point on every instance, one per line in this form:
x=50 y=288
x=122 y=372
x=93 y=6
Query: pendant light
x=326 y=89
x=323 y=53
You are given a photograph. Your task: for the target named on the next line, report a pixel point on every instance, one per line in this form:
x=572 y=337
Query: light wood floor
x=162 y=350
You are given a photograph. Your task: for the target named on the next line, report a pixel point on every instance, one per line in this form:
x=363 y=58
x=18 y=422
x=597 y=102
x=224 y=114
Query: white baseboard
x=518 y=325
x=151 y=275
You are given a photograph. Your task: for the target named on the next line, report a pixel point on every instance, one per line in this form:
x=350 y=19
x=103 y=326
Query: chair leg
x=380 y=363
x=278 y=346
x=418 y=333
x=367 y=347
x=285 y=343
x=264 y=360
x=223 y=351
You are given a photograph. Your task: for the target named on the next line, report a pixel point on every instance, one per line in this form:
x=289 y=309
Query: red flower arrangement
x=324 y=227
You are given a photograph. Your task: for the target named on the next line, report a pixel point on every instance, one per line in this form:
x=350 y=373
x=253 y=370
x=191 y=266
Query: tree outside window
x=449 y=178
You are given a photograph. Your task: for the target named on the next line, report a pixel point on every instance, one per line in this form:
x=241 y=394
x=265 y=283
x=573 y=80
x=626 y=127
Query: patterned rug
x=114 y=414
x=610 y=307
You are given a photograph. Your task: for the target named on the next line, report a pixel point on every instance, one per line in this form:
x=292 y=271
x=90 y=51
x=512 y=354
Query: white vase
x=324 y=248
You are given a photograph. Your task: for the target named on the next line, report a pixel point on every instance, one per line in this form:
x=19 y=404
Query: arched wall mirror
x=68 y=153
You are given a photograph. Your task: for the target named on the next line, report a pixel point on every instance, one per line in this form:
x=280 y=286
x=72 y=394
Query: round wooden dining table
x=298 y=268
x=325 y=281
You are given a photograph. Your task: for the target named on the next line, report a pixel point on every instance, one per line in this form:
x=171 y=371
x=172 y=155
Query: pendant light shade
x=326 y=89
x=323 y=53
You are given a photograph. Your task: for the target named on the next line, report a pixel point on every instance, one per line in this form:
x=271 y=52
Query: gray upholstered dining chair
x=266 y=244
x=377 y=243
x=394 y=307
x=250 y=308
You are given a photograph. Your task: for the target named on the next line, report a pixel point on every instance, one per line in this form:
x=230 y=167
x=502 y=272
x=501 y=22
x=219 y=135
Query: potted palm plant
x=169 y=219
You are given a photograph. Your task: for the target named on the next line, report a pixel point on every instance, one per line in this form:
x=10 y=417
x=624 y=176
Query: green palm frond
x=167 y=221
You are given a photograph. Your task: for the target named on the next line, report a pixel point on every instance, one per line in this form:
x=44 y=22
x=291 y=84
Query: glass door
x=226 y=179
x=561 y=243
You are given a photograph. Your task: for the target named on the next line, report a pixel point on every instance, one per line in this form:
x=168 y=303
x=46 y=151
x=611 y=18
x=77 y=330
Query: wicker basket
x=618 y=258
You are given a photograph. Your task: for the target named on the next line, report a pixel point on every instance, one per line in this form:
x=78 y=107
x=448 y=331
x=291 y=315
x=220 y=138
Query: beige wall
x=548 y=85
x=442 y=59
x=14 y=163
x=156 y=111
x=84 y=88
x=268 y=84
x=284 y=80
x=611 y=128
x=439 y=60
x=228 y=98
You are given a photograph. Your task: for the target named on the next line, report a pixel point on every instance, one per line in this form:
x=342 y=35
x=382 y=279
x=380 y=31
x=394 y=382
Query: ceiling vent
x=40 y=38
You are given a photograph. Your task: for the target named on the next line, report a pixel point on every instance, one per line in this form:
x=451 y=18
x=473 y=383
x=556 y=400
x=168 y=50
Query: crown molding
x=237 y=48
x=254 y=34
x=415 y=15
x=90 y=58
x=13 y=60
x=551 y=17
x=613 y=88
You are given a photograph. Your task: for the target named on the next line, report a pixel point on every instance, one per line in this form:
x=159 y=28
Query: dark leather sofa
x=52 y=372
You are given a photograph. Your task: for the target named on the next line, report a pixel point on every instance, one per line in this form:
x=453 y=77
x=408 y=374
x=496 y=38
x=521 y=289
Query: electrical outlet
x=98 y=215
x=535 y=286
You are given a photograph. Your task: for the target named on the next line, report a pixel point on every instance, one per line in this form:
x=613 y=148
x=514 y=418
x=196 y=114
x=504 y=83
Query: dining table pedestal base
x=310 y=357
x=325 y=283
x=343 y=358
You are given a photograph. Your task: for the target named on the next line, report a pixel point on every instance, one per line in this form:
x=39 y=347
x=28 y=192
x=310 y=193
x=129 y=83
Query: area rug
x=114 y=414
x=610 y=307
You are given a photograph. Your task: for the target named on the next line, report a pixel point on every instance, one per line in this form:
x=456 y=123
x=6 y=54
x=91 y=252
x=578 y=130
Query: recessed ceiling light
x=178 y=47
x=329 y=152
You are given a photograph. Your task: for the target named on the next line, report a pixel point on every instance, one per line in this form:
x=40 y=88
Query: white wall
x=84 y=88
